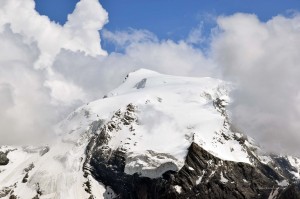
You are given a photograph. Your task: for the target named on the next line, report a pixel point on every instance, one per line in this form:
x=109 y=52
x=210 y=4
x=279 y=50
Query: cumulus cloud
x=262 y=58
x=80 y=33
x=24 y=102
x=29 y=88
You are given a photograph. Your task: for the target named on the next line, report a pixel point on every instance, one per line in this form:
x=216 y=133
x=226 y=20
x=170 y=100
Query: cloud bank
x=263 y=60
x=47 y=70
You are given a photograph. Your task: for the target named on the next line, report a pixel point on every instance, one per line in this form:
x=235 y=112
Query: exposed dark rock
x=5 y=191
x=13 y=197
x=44 y=150
x=38 y=190
x=29 y=168
x=203 y=175
x=25 y=179
x=141 y=84
x=3 y=158
x=87 y=188
x=291 y=192
x=284 y=166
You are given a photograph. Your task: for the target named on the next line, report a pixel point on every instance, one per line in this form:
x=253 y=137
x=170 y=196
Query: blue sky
x=169 y=19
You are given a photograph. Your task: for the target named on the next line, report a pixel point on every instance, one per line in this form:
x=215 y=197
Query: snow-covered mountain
x=155 y=136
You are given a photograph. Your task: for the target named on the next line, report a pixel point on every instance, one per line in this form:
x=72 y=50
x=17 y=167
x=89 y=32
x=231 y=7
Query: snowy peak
x=148 y=79
x=143 y=73
x=168 y=109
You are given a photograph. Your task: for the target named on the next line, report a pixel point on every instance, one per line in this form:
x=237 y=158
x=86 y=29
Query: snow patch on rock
x=178 y=188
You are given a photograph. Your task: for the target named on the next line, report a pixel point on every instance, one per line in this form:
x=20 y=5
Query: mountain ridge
x=155 y=136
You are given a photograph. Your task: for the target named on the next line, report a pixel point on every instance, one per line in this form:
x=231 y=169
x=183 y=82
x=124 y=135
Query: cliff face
x=202 y=176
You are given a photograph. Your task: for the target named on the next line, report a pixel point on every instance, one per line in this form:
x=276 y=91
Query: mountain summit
x=155 y=136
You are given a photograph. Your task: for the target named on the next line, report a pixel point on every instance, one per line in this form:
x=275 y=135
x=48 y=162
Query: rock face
x=3 y=158
x=202 y=176
x=291 y=192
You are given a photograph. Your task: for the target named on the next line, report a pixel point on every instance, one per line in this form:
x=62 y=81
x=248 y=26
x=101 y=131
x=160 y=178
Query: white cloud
x=24 y=102
x=123 y=39
x=263 y=59
x=83 y=25
x=47 y=69
x=29 y=90
x=171 y=57
x=196 y=36
x=98 y=75
x=80 y=33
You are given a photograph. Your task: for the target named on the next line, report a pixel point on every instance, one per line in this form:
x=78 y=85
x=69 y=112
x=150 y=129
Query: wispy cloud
x=122 y=39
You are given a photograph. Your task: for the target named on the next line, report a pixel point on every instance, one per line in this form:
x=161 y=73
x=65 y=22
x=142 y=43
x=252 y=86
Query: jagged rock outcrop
x=202 y=176
x=290 y=192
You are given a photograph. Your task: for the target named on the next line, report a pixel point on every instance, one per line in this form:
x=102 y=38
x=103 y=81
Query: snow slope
x=56 y=174
x=170 y=113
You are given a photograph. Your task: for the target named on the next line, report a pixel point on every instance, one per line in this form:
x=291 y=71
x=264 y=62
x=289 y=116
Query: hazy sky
x=49 y=68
